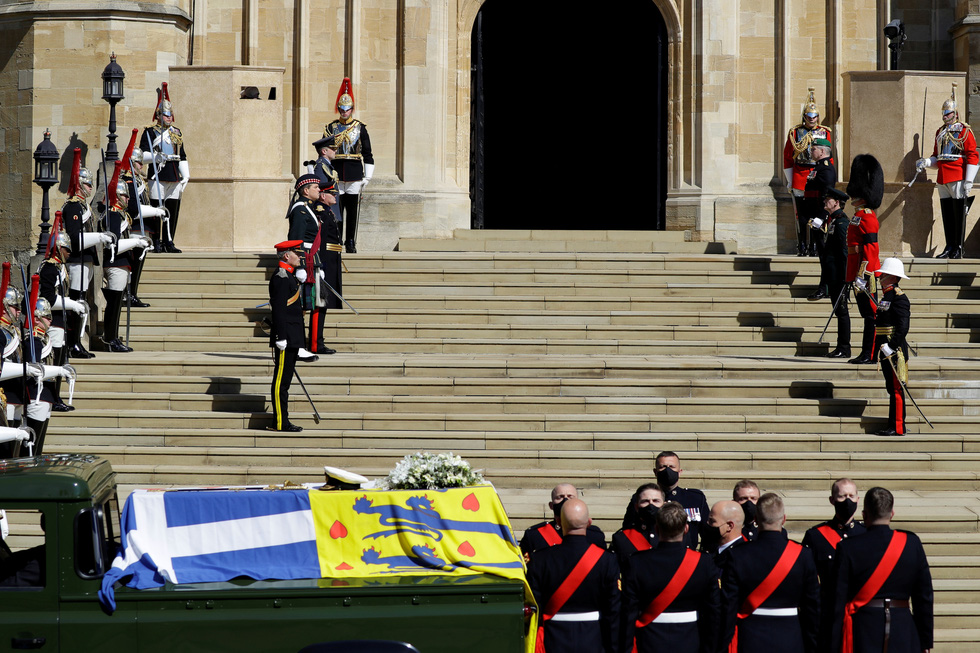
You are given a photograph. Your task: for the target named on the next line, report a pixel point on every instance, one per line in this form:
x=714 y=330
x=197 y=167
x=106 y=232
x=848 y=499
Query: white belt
x=576 y=616
x=676 y=617
x=776 y=612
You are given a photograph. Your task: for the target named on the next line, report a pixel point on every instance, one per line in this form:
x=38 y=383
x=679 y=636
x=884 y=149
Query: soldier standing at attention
x=955 y=152
x=167 y=169
x=823 y=177
x=835 y=252
x=326 y=149
x=354 y=162
x=286 y=335
x=866 y=188
x=549 y=533
x=798 y=164
x=891 y=328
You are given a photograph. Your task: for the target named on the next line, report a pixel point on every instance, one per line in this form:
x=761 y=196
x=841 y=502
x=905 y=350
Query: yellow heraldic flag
x=460 y=531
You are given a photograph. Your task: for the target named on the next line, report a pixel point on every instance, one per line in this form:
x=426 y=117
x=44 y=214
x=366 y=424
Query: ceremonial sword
x=843 y=291
x=908 y=394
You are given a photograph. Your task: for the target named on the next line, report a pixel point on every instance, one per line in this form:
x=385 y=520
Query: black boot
x=947 y=209
x=40 y=428
x=134 y=281
x=110 y=327
x=173 y=207
x=73 y=331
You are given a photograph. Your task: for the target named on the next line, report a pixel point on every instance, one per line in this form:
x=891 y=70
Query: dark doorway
x=568 y=115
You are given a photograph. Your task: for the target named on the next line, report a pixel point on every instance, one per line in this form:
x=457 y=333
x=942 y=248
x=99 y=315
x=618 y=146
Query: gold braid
x=946 y=138
x=802 y=145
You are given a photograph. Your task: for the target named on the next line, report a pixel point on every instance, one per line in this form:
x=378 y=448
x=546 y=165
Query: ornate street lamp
x=45 y=176
x=112 y=92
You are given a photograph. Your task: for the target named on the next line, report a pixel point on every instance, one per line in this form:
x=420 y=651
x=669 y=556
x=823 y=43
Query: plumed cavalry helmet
x=42 y=308
x=950 y=104
x=136 y=156
x=810 y=106
x=122 y=189
x=13 y=297
x=866 y=181
x=63 y=241
x=345 y=96
x=85 y=177
x=163 y=106
x=79 y=176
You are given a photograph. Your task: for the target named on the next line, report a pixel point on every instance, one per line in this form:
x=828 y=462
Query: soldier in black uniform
x=822 y=539
x=891 y=328
x=786 y=619
x=586 y=618
x=354 y=161
x=145 y=218
x=167 y=169
x=822 y=177
x=286 y=335
x=835 y=260
x=326 y=149
x=687 y=623
x=880 y=612
x=722 y=532
x=746 y=493
x=53 y=284
x=668 y=471
x=76 y=216
x=549 y=533
x=640 y=534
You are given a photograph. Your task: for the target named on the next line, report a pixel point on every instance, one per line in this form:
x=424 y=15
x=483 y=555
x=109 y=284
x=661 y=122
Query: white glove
x=280 y=344
x=16 y=370
x=147 y=156
x=322 y=275
x=54 y=371
x=861 y=284
x=126 y=244
x=160 y=159
x=185 y=174
x=886 y=350
x=301 y=275
x=816 y=223
x=368 y=173
x=147 y=242
x=788 y=173
x=151 y=211
x=69 y=304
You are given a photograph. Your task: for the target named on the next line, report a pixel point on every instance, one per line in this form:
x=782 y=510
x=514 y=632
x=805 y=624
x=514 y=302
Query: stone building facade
x=738 y=72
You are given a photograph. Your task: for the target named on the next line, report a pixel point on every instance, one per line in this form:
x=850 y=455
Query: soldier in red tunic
x=955 y=153
x=866 y=186
x=798 y=166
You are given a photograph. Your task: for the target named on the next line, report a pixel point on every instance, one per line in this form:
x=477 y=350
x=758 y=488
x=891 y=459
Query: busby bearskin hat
x=867 y=180
x=345 y=96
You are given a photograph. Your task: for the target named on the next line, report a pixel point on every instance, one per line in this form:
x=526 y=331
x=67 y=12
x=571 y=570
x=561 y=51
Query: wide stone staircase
x=543 y=357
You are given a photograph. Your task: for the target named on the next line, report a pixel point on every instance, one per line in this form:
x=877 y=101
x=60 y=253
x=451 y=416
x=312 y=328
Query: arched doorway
x=568 y=116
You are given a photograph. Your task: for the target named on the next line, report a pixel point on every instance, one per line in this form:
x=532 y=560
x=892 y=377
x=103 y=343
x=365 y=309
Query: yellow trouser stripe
x=275 y=395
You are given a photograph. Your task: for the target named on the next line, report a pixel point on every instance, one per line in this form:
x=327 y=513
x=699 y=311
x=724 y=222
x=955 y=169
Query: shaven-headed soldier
x=746 y=493
x=549 y=533
x=578 y=614
x=671 y=600
x=822 y=539
x=723 y=532
x=882 y=589
x=770 y=594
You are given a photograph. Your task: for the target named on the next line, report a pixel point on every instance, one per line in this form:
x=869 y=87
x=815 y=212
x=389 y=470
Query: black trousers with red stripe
x=317 y=316
x=896 y=397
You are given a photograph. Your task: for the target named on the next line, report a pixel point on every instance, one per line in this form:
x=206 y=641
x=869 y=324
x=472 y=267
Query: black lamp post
x=45 y=176
x=895 y=32
x=112 y=92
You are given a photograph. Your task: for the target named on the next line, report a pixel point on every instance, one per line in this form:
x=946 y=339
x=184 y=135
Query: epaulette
x=899 y=291
x=152 y=126
x=319 y=207
x=282 y=273
x=173 y=128
x=75 y=199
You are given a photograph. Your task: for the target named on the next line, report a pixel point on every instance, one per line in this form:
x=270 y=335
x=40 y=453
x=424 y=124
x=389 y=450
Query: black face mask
x=556 y=507
x=749 y=509
x=710 y=537
x=648 y=514
x=667 y=477
x=844 y=510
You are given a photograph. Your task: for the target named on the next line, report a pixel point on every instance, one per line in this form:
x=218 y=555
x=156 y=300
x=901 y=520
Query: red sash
x=768 y=585
x=637 y=539
x=871 y=587
x=833 y=537
x=550 y=535
x=674 y=587
x=566 y=589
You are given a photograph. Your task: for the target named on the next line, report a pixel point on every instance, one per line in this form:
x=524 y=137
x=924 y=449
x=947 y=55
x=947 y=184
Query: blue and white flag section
x=195 y=537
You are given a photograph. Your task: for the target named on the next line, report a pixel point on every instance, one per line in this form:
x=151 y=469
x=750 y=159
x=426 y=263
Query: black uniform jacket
x=723 y=559
x=648 y=575
x=71 y=218
x=598 y=592
x=533 y=540
x=287 y=310
x=835 y=251
x=750 y=564
x=822 y=177
x=168 y=171
x=351 y=169
x=302 y=223
x=823 y=551
x=895 y=313
x=117 y=222
x=857 y=558
x=623 y=547
x=52 y=273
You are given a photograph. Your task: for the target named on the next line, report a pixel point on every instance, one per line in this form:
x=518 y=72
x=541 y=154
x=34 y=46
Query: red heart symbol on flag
x=471 y=502
x=343 y=566
x=466 y=549
x=338 y=531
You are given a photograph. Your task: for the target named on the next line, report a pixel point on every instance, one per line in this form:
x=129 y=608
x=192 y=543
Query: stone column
x=966 y=55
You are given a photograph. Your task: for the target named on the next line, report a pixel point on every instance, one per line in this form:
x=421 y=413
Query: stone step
x=558 y=244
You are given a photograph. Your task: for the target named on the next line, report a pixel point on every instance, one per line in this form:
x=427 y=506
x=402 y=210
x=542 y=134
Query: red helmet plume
x=345 y=96
x=74 y=185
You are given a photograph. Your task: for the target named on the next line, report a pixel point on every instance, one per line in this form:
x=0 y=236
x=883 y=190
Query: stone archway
x=560 y=108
